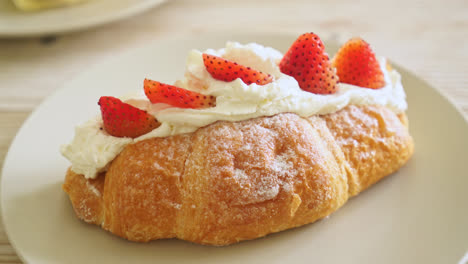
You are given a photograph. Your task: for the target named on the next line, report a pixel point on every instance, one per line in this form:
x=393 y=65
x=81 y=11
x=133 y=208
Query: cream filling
x=92 y=149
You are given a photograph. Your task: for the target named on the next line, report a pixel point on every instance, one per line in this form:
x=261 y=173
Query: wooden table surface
x=428 y=37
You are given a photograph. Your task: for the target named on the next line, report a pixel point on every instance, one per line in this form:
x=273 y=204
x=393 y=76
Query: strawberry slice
x=356 y=64
x=164 y=93
x=224 y=70
x=307 y=61
x=123 y=120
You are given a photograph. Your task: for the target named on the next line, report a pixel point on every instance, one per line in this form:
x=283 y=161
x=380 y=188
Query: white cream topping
x=92 y=149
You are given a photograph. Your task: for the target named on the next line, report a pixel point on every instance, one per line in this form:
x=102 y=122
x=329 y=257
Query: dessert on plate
x=249 y=142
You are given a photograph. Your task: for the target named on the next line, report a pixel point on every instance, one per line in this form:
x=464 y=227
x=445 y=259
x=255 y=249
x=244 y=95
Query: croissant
x=234 y=181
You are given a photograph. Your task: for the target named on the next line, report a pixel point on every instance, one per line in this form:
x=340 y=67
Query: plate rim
x=118 y=15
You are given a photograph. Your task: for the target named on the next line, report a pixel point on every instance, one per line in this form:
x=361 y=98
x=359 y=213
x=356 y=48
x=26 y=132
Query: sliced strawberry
x=356 y=64
x=164 y=93
x=123 y=120
x=224 y=70
x=307 y=61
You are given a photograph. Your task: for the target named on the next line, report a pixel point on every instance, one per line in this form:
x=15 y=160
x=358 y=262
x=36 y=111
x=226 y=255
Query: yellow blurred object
x=389 y=67
x=34 y=5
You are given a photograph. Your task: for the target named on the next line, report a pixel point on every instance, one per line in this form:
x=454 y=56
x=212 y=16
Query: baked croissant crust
x=234 y=181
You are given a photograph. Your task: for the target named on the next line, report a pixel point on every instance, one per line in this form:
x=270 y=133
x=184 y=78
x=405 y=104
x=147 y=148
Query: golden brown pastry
x=234 y=181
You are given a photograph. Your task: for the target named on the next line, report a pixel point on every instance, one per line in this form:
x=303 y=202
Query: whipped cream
x=92 y=148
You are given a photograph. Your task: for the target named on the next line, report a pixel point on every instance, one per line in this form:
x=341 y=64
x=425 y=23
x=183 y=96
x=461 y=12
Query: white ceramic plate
x=15 y=23
x=418 y=215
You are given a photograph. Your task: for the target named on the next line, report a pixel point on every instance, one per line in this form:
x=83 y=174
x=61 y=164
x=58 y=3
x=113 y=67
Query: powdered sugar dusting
x=93 y=189
x=86 y=214
x=240 y=175
x=284 y=166
x=157 y=166
x=251 y=160
x=266 y=190
x=283 y=163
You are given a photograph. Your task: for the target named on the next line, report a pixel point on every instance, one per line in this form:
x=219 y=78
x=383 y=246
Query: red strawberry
x=307 y=61
x=123 y=120
x=356 y=64
x=228 y=71
x=163 y=93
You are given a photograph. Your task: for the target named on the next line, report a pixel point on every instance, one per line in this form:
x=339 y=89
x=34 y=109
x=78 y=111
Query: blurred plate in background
x=16 y=23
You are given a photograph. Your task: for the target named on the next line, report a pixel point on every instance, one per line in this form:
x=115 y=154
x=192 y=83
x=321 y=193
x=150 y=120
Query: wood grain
x=10 y=122
x=426 y=37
